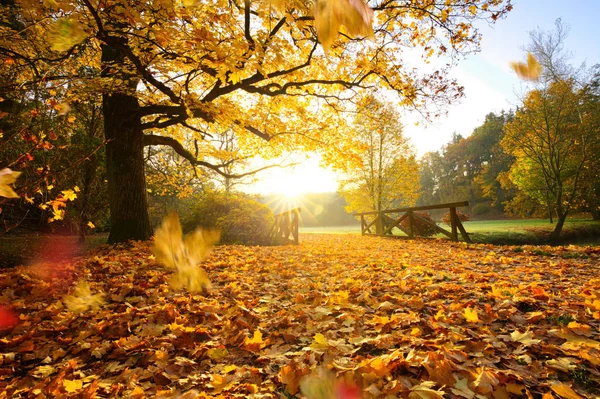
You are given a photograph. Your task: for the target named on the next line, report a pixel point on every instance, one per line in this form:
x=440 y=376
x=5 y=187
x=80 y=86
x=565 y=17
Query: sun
x=292 y=182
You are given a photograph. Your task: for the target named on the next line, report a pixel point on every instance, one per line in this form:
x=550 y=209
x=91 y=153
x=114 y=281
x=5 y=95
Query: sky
x=490 y=85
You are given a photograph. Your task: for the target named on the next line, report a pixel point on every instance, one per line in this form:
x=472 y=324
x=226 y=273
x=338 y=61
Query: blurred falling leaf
x=7 y=318
x=355 y=15
x=82 y=299
x=530 y=71
x=171 y=249
x=63 y=109
x=7 y=177
x=65 y=33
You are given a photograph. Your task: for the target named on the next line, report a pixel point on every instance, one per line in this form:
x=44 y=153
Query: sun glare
x=306 y=177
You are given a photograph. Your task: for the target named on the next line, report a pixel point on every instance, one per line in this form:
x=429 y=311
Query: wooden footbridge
x=384 y=224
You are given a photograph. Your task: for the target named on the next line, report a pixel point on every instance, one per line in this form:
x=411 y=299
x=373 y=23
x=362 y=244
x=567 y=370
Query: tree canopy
x=172 y=72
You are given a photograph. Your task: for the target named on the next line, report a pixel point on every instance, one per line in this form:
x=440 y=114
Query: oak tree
x=166 y=66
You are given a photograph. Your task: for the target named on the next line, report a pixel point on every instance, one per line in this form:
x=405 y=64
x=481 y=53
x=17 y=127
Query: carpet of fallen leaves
x=393 y=318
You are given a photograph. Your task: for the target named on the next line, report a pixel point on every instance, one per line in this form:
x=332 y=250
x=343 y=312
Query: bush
x=463 y=217
x=478 y=210
x=240 y=218
x=422 y=229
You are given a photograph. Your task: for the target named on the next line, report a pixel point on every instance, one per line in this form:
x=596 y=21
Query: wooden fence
x=384 y=224
x=286 y=224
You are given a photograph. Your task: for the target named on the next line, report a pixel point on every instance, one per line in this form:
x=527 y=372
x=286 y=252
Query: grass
x=582 y=232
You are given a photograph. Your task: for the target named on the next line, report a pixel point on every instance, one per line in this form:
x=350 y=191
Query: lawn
x=502 y=232
x=362 y=316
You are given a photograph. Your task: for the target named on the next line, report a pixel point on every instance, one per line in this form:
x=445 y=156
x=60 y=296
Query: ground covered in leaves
x=337 y=316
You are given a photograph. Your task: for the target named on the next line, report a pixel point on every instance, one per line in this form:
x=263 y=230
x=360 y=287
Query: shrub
x=463 y=217
x=422 y=229
x=240 y=218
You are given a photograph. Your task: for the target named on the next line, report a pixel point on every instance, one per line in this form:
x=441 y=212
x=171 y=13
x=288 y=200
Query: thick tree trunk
x=124 y=161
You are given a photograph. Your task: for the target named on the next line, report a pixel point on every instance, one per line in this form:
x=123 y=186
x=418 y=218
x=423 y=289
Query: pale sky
x=490 y=84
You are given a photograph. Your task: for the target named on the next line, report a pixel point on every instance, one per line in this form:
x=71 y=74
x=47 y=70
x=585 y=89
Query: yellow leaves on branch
x=82 y=299
x=175 y=251
x=530 y=71
x=8 y=177
x=354 y=15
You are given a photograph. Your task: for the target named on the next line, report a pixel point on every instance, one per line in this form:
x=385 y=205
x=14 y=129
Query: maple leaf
x=7 y=177
x=565 y=391
x=171 y=249
x=356 y=16
x=255 y=343
x=424 y=391
x=82 y=299
x=485 y=382
x=529 y=71
x=461 y=388
x=525 y=338
x=72 y=386
x=471 y=315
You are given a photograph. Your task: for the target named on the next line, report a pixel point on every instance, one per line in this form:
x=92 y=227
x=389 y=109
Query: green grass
x=502 y=232
x=351 y=229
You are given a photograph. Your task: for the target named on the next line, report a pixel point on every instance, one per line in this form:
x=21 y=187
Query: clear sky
x=490 y=84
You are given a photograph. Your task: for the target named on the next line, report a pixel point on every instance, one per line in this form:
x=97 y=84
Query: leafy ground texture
x=339 y=316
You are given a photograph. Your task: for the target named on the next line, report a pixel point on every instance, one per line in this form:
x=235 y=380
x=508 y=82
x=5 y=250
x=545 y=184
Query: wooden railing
x=286 y=224
x=384 y=224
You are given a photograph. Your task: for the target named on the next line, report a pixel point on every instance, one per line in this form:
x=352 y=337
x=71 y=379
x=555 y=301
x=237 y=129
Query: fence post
x=411 y=224
x=379 y=223
x=295 y=218
x=363 y=225
x=454 y=224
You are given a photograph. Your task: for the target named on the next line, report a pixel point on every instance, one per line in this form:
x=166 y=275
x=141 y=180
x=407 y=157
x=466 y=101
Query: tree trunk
x=124 y=160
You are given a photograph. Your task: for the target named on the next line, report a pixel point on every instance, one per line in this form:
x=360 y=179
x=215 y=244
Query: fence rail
x=384 y=224
x=286 y=224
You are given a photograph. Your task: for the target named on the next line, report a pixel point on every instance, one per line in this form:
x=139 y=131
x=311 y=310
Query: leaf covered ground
x=337 y=316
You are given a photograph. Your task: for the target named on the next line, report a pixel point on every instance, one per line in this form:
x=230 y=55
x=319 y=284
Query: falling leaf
x=82 y=299
x=356 y=16
x=7 y=177
x=63 y=109
x=530 y=71
x=65 y=33
x=91 y=225
x=7 y=318
x=171 y=249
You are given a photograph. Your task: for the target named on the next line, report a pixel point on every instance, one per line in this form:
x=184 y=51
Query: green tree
x=387 y=175
x=552 y=139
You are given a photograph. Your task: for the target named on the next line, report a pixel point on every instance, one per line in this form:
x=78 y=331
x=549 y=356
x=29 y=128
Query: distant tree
x=553 y=140
x=387 y=175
